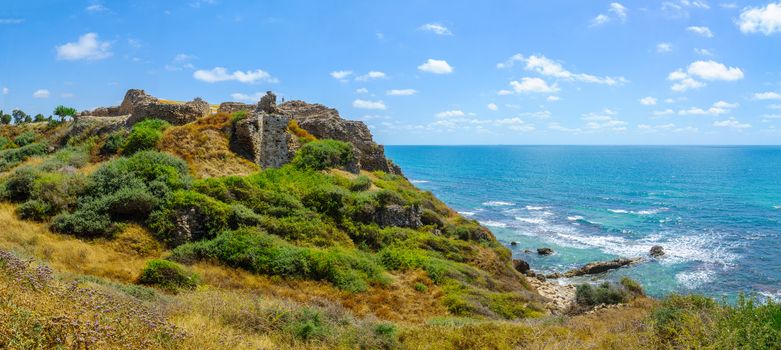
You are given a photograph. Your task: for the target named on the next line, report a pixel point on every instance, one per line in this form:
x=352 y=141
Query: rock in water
x=544 y=251
x=601 y=266
x=521 y=266
x=657 y=251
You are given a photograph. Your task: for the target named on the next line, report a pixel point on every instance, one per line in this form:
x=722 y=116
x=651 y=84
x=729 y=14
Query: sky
x=421 y=72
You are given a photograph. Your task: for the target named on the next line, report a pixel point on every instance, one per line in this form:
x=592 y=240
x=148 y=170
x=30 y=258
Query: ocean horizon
x=715 y=209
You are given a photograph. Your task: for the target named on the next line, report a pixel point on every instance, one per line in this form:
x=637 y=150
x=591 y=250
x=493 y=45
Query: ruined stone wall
x=263 y=139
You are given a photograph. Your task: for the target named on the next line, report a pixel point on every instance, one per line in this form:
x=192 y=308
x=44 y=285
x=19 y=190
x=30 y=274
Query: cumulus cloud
x=599 y=20
x=731 y=123
x=6 y=90
x=247 y=98
x=95 y=8
x=492 y=106
x=663 y=112
x=451 y=114
x=402 y=92
x=604 y=120
x=220 y=74
x=701 y=31
x=559 y=127
x=435 y=28
x=362 y=91
x=372 y=75
x=88 y=47
x=767 y=96
x=553 y=98
x=705 y=70
x=765 y=20
x=718 y=108
x=41 y=93
x=341 y=74
x=664 y=47
x=547 y=67
x=436 y=67
x=615 y=11
x=515 y=124
x=365 y=104
x=533 y=85
x=648 y=101
x=504 y=92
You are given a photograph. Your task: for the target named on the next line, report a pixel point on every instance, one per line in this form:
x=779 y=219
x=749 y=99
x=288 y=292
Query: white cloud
x=663 y=112
x=504 y=92
x=41 y=93
x=656 y=128
x=436 y=67
x=436 y=28
x=543 y=114
x=731 y=123
x=372 y=75
x=88 y=47
x=559 y=127
x=247 y=98
x=718 y=108
x=703 y=52
x=11 y=21
x=492 y=106
x=180 y=61
x=341 y=74
x=706 y=70
x=616 y=10
x=402 y=92
x=451 y=114
x=547 y=67
x=515 y=124
x=765 y=20
x=604 y=120
x=364 y=104
x=701 y=31
x=553 y=98
x=533 y=85
x=648 y=101
x=219 y=74
x=362 y=91
x=599 y=20
x=6 y=90
x=664 y=47
x=701 y=4
x=95 y=8
x=619 y=10
x=767 y=96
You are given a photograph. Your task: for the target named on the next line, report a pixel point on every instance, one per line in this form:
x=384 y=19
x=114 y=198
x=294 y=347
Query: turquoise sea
x=715 y=210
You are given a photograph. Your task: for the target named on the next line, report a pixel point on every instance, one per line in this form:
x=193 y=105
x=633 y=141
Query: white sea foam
x=618 y=211
x=467 y=213
x=491 y=223
x=418 y=181
x=694 y=279
x=775 y=296
x=639 y=212
x=533 y=208
x=498 y=204
x=777 y=206
x=575 y=218
x=536 y=221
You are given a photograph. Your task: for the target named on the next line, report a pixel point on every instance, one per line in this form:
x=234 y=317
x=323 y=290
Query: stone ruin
x=262 y=136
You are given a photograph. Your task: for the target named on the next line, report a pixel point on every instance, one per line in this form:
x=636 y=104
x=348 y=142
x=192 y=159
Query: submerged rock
x=544 y=251
x=521 y=266
x=601 y=266
x=656 y=251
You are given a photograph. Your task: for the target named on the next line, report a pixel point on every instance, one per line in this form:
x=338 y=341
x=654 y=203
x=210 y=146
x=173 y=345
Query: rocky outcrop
x=325 y=123
x=394 y=215
x=601 y=266
x=521 y=265
x=139 y=106
x=134 y=100
x=544 y=251
x=263 y=139
x=233 y=107
x=656 y=251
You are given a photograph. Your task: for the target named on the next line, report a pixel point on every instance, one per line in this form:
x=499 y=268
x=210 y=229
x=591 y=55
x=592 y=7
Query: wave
x=534 y=208
x=498 y=204
x=775 y=296
x=537 y=221
x=418 y=181
x=491 y=223
x=467 y=213
x=694 y=279
x=575 y=218
x=777 y=206
x=639 y=212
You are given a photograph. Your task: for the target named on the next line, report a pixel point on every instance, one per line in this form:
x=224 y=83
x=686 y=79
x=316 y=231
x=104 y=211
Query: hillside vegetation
x=161 y=237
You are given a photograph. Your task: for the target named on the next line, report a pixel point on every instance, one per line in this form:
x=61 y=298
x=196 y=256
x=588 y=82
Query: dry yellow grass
x=204 y=145
x=64 y=253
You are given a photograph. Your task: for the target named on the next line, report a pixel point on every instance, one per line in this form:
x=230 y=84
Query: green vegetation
x=64 y=112
x=144 y=136
x=324 y=154
x=168 y=275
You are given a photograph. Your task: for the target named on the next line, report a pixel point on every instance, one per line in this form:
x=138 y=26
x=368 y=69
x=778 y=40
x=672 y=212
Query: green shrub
x=360 y=183
x=308 y=325
x=87 y=222
x=11 y=157
x=604 y=293
x=262 y=253
x=114 y=142
x=144 y=136
x=33 y=210
x=420 y=287
x=19 y=186
x=632 y=286
x=130 y=203
x=324 y=154
x=168 y=275
x=25 y=138
x=70 y=156
x=161 y=173
x=59 y=191
x=5 y=143
x=209 y=217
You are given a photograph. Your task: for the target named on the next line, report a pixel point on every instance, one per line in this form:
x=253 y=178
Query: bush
x=114 y=143
x=12 y=157
x=87 y=222
x=361 y=183
x=130 y=203
x=632 y=286
x=324 y=154
x=33 y=210
x=25 y=138
x=161 y=173
x=71 y=156
x=19 y=186
x=605 y=293
x=303 y=135
x=209 y=216
x=145 y=135
x=168 y=275
x=59 y=191
x=262 y=253
x=5 y=143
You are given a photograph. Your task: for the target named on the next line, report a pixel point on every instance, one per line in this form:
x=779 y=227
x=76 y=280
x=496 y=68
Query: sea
x=715 y=210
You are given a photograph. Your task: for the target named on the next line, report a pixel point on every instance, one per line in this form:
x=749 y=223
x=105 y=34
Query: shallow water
x=715 y=210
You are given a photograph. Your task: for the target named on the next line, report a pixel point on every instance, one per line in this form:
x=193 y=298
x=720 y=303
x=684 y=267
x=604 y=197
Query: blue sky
x=422 y=72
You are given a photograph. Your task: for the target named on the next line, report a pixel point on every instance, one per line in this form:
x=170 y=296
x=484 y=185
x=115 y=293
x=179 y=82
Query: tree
x=39 y=118
x=19 y=116
x=5 y=118
x=64 y=112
